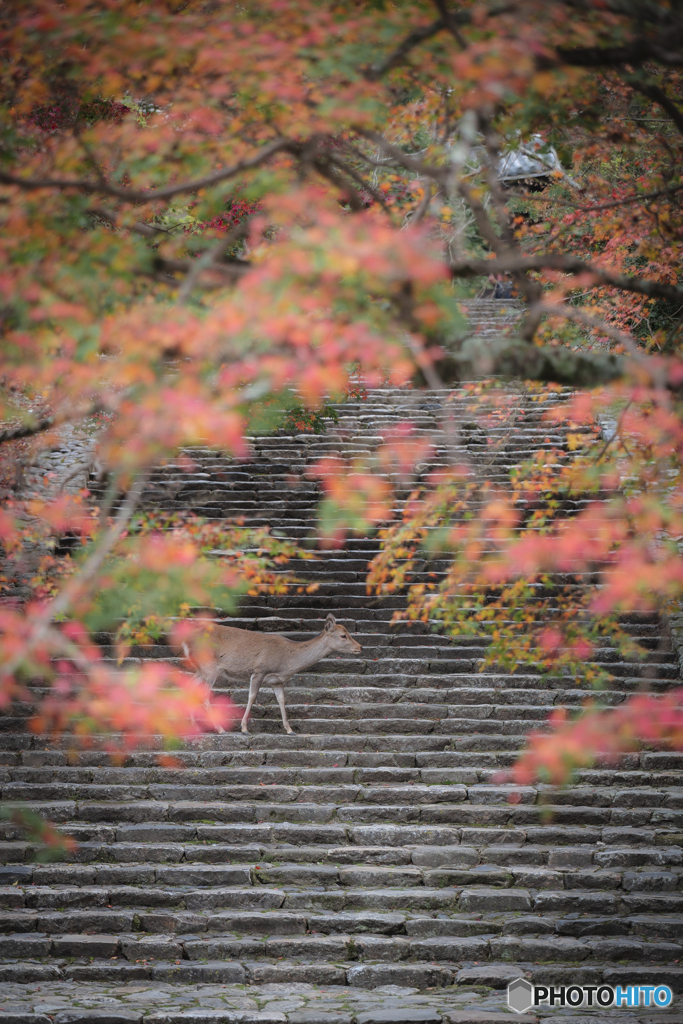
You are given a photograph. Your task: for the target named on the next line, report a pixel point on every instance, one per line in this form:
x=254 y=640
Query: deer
x=267 y=659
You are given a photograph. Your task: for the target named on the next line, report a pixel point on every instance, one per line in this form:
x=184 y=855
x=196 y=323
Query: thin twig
x=360 y=180
x=426 y=364
x=572 y=313
x=208 y=260
x=417 y=36
x=80 y=468
x=138 y=228
x=450 y=22
x=147 y=195
x=408 y=161
x=41 y=623
x=47 y=423
x=657 y=95
x=508 y=263
x=109 y=498
x=423 y=207
x=636 y=198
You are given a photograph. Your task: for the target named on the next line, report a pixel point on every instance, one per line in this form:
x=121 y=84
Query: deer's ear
x=330 y=622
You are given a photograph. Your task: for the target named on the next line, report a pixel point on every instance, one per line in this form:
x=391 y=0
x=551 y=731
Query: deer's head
x=339 y=637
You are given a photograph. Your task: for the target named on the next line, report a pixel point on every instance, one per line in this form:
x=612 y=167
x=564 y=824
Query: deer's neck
x=307 y=653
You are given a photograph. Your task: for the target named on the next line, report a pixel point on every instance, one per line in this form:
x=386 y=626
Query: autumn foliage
x=206 y=208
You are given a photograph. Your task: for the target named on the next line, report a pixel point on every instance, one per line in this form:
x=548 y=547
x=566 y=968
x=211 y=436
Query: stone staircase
x=366 y=869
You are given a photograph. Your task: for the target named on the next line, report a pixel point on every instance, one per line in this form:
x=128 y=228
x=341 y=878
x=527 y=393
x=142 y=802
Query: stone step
x=107 y=921
x=157 y=835
x=476 y=897
x=32 y=762
x=530 y=706
x=200 y=783
x=418 y=650
x=170 y=992
x=422 y=846
x=316 y=715
x=407 y=804
x=340 y=948
x=331 y=876
x=417 y=746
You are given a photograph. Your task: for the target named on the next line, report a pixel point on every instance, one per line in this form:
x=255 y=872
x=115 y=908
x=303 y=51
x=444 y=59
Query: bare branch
x=425 y=364
x=572 y=313
x=147 y=195
x=638 y=197
x=634 y=53
x=412 y=40
x=513 y=357
x=411 y=163
x=373 y=162
x=505 y=264
x=657 y=95
x=423 y=207
x=377 y=196
x=450 y=21
x=326 y=168
x=481 y=219
x=209 y=260
x=226 y=271
x=138 y=228
x=47 y=423
x=41 y=623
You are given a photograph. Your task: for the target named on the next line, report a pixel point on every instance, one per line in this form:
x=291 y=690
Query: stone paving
x=369 y=868
x=64 y=468
x=279 y=1003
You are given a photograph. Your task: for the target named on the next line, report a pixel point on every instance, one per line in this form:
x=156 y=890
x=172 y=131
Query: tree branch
x=638 y=197
x=657 y=95
x=326 y=168
x=511 y=357
x=412 y=40
x=572 y=313
x=208 y=260
x=505 y=264
x=634 y=53
x=411 y=163
x=138 y=228
x=529 y=288
x=46 y=423
x=450 y=21
x=360 y=181
x=423 y=207
x=41 y=623
x=147 y=195
x=230 y=271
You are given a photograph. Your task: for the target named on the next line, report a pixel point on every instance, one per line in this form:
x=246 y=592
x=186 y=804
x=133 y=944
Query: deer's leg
x=279 y=691
x=205 y=676
x=207 y=708
x=254 y=687
x=210 y=677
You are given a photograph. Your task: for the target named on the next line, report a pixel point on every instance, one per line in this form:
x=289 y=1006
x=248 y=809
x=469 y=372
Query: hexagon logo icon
x=520 y=995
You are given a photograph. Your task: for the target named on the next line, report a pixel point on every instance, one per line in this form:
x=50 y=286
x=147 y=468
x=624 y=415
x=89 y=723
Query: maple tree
x=207 y=206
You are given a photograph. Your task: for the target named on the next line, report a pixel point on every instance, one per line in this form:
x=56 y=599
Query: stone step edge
x=441 y=951
x=418 y=975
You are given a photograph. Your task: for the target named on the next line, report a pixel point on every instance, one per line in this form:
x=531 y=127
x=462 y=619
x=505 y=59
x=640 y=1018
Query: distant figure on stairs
x=266 y=659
